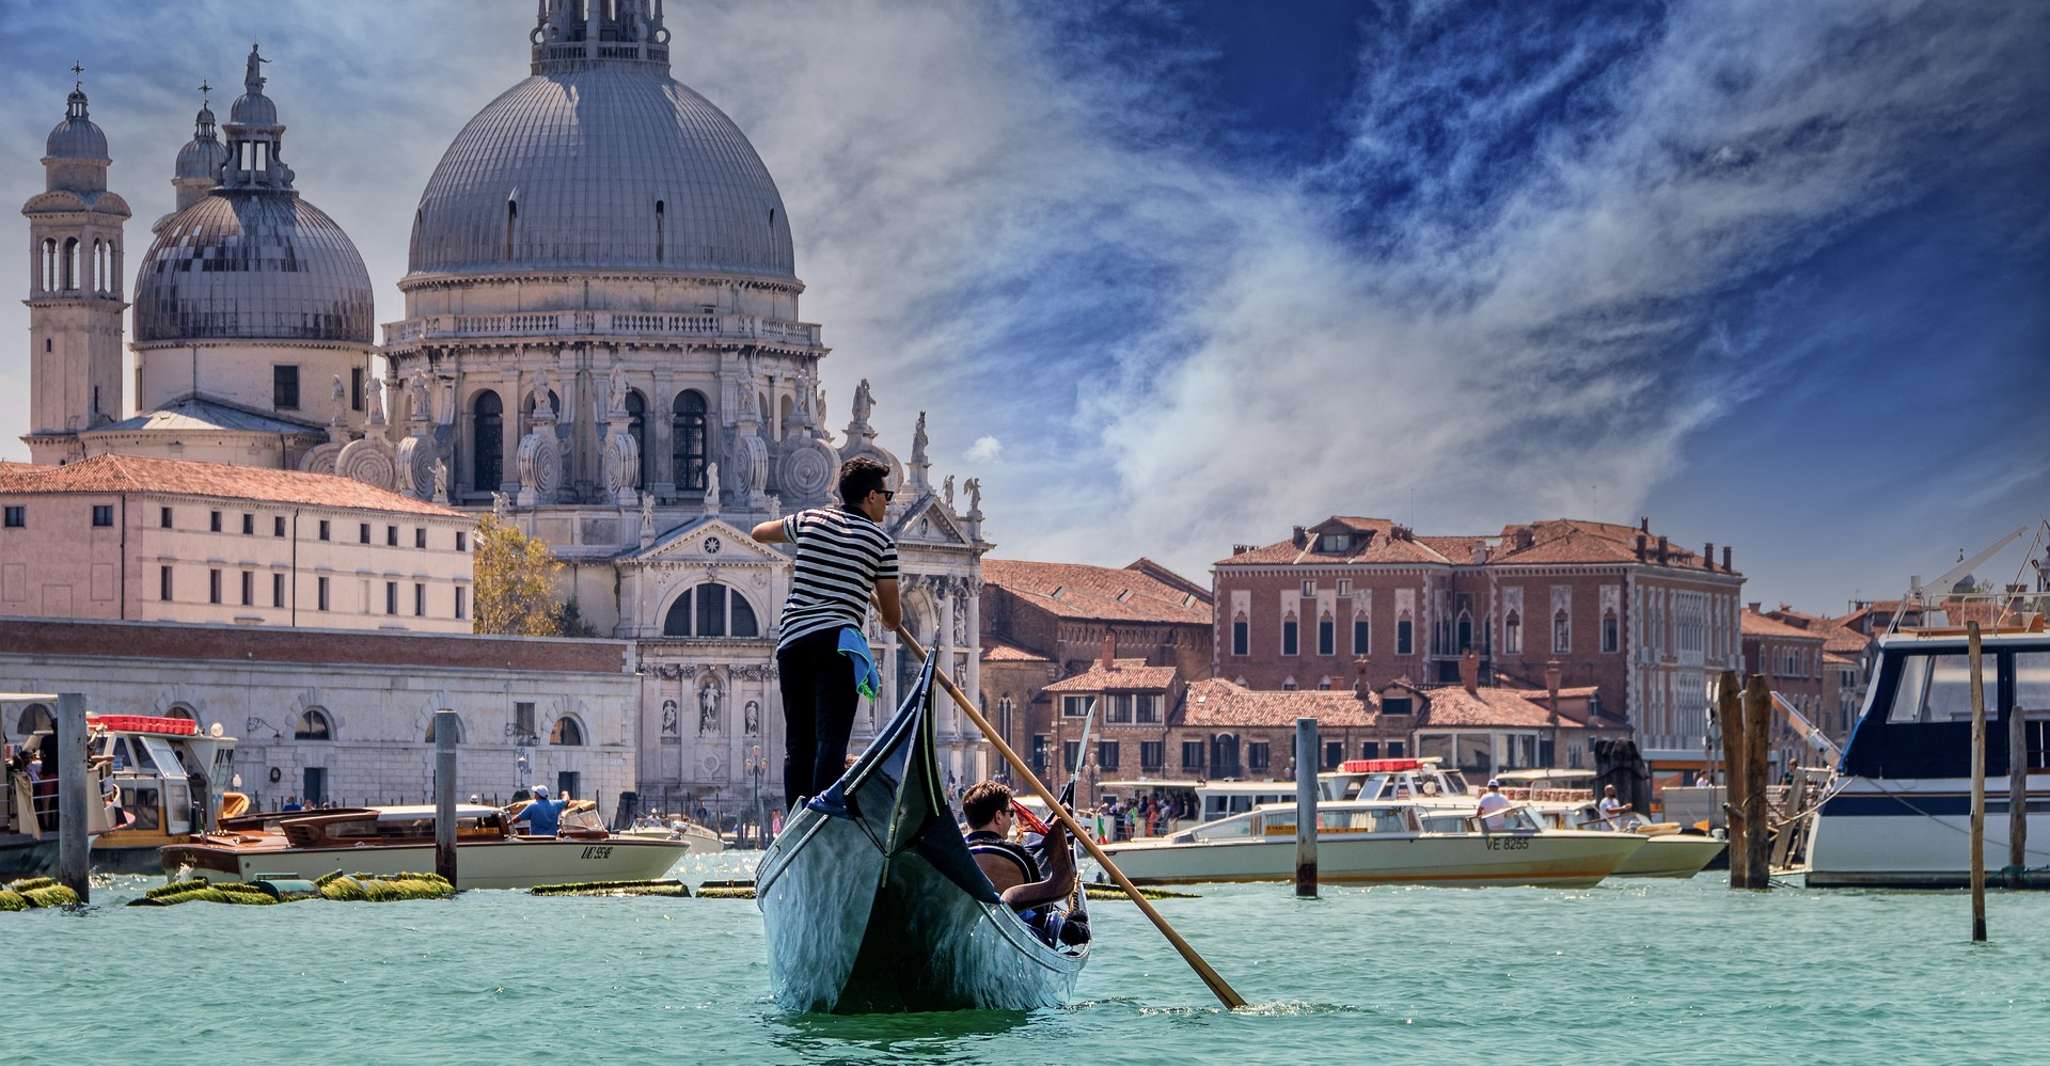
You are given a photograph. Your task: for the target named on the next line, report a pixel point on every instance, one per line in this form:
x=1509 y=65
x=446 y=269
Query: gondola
x=872 y=903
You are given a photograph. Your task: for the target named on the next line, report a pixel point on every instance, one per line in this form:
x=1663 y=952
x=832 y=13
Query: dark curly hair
x=860 y=476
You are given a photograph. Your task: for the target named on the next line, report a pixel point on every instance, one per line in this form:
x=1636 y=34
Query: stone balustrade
x=577 y=324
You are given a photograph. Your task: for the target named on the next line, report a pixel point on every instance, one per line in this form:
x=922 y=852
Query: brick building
x=1623 y=611
x=1042 y=622
x=1788 y=657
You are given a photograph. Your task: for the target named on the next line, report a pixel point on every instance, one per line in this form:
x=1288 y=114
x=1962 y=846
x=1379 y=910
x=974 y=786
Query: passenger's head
x=984 y=803
x=863 y=484
x=1608 y=790
x=1494 y=785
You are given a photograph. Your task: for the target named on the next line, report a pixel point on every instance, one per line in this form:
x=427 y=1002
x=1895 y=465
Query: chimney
x=1644 y=525
x=1525 y=537
x=1470 y=671
x=1727 y=568
x=1552 y=677
x=1754 y=606
x=1665 y=550
x=1302 y=537
x=1480 y=553
x=1640 y=547
x=1110 y=651
x=1708 y=555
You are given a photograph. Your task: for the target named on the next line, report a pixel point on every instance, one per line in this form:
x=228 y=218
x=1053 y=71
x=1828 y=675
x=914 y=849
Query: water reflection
x=950 y=1036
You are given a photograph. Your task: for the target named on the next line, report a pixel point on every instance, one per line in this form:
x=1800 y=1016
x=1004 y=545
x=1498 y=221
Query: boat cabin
x=1274 y=821
x=388 y=825
x=1917 y=718
x=1548 y=786
x=1391 y=779
x=1222 y=798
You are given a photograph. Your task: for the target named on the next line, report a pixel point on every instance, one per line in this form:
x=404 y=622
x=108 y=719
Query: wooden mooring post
x=1978 y=781
x=1757 y=811
x=1730 y=710
x=445 y=728
x=74 y=844
x=1306 y=807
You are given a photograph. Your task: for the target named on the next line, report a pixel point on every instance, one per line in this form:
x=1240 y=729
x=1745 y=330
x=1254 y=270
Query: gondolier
x=844 y=557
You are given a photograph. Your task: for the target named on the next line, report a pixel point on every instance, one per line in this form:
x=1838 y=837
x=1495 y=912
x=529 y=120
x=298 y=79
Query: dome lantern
x=199 y=163
x=574 y=34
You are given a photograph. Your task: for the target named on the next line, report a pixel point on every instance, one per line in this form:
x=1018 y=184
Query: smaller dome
x=202 y=157
x=253 y=109
x=76 y=137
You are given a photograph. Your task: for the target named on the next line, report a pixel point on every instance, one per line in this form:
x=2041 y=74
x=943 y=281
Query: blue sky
x=1170 y=277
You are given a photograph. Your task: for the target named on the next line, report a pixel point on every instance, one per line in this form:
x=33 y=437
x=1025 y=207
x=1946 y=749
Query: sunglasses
x=887 y=495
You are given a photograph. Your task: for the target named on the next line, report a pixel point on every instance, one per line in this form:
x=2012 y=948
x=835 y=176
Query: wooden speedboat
x=1380 y=842
x=390 y=840
x=871 y=901
x=1667 y=852
x=702 y=840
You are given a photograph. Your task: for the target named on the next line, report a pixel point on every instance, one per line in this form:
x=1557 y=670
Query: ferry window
x=1938 y=688
x=2032 y=681
x=141 y=805
x=1241 y=826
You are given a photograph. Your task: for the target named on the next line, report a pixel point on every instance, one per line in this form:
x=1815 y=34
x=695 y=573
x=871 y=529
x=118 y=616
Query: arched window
x=34 y=719
x=487 y=442
x=1240 y=635
x=1291 y=636
x=637 y=427
x=1612 y=631
x=51 y=276
x=687 y=435
x=1562 y=633
x=1327 y=635
x=661 y=230
x=1405 y=634
x=566 y=734
x=99 y=266
x=1512 y=634
x=313 y=725
x=1465 y=631
x=70 y=263
x=711 y=610
x=1362 y=634
x=512 y=225
x=432 y=718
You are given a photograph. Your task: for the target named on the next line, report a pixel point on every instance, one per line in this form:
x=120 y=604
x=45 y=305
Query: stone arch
x=568 y=732
x=487 y=441
x=712 y=609
x=462 y=730
x=690 y=441
x=314 y=723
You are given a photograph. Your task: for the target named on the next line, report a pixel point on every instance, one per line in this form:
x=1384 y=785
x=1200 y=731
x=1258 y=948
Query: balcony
x=572 y=325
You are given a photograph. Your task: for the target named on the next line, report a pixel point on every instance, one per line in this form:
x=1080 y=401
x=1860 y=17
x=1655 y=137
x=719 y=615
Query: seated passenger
x=1011 y=868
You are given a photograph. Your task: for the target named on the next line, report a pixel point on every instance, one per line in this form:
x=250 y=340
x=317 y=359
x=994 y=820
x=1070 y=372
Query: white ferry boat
x=1899 y=812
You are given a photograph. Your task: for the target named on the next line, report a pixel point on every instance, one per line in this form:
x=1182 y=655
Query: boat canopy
x=1917 y=718
x=1522 y=776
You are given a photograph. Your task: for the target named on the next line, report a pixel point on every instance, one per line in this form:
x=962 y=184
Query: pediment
x=709 y=541
x=926 y=521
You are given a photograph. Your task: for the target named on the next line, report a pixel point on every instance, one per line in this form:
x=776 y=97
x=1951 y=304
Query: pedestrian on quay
x=845 y=560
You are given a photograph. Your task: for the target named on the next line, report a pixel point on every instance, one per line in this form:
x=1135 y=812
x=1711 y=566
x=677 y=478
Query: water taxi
x=390 y=840
x=1381 y=842
x=1898 y=813
x=166 y=778
x=702 y=840
x=1563 y=799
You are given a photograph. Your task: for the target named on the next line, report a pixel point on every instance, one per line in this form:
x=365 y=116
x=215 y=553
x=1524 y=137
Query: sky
x=1170 y=277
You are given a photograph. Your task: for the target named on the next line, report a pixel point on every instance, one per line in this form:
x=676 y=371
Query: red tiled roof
x=996 y=651
x=1557 y=541
x=1843 y=640
x=1539 y=695
x=1217 y=702
x=1097 y=592
x=1131 y=675
x=1830 y=659
x=112 y=473
x=1753 y=624
x=1487 y=708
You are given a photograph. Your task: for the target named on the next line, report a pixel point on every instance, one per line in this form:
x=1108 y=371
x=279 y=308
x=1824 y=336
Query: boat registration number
x=598 y=851
x=1508 y=843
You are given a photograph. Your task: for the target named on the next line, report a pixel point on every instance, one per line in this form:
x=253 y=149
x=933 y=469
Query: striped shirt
x=840 y=557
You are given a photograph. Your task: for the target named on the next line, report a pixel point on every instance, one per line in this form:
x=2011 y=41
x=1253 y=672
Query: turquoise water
x=1628 y=972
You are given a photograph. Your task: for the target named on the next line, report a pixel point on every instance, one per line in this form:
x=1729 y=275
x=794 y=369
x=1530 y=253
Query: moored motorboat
x=871 y=901
x=1561 y=799
x=701 y=841
x=390 y=840
x=1378 y=842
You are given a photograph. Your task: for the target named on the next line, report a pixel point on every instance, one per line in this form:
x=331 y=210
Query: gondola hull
x=872 y=903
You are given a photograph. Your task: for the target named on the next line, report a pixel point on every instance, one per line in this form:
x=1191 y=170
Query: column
x=509 y=430
x=659 y=427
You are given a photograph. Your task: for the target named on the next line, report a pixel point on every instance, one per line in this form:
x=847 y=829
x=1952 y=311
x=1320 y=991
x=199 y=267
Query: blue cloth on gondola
x=855 y=646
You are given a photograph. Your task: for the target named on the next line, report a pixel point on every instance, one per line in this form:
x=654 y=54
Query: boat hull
x=521 y=862
x=1673 y=855
x=1557 y=860
x=25 y=856
x=1916 y=833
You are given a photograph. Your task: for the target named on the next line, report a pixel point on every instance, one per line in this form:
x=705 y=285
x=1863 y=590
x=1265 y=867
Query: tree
x=514 y=576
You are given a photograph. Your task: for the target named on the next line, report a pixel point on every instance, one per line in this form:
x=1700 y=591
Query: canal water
x=1647 y=971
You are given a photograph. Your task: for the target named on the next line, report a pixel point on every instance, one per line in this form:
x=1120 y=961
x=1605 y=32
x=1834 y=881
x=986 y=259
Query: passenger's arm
x=1060 y=877
x=887 y=604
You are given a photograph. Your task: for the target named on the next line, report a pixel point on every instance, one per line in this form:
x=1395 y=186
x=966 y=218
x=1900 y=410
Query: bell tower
x=75 y=295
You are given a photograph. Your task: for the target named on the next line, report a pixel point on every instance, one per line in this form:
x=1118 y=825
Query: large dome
x=611 y=165
x=253 y=266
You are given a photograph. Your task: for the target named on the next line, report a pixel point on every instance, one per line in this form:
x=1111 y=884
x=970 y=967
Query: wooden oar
x=1218 y=986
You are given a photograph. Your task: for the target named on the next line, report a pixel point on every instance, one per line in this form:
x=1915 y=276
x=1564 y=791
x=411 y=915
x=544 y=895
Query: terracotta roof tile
x=1487 y=708
x=1097 y=592
x=1131 y=675
x=1217 y=702
x=1753 y=624
x=112 y=473
x=996 y=651
x=1558 y=541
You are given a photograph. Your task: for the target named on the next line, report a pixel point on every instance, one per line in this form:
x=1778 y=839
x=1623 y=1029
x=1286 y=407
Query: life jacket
x=984 y=842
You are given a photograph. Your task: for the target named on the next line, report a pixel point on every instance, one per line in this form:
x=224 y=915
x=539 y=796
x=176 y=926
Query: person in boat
x=1613 y=808
x=543 y=815
x=291 y=804
x=1492 y=803
x=845 y=558
x=1026 y=884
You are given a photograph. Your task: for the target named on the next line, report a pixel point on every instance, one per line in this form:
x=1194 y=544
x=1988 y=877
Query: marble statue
x=751 y=718
x=864 y=402
x=669 y=717
x=708 y=708
x=617 y=389
x=712 y=488
x=974 y=487
x=947 y=489
x=918 y=442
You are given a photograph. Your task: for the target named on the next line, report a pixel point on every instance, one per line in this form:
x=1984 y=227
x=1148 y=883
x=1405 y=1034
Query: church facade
x=602 y=343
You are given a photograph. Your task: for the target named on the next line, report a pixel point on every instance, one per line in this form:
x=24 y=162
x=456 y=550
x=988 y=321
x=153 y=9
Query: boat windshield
x=1936 y=688
x=1281 y=821
x=1237 y=826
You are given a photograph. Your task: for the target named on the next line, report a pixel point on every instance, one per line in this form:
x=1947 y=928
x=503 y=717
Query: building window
x=637 y=428
x=1327 y=636
x=1405 y=635
x=362 y=532
x=164 y=583
x=1464 y=631
x=1370 y=749
x=487 y=443
x=163 y=518
x=277 y=526
x=1345 y=586
x=323 y=529
x=1240 y=635
x=1612 y=632
x=1334 y=753
x=103 y=514
x=1071 y=753
x=391 y=536
x=1107 y=755
x=277 y=590
x=523 y=722
x=566 y=733
x=1148 y=708
x=1562 y=633
x=1192 y=756
x=1310 y=589
x=1362 y=635
x=1395 y=749
x=248 y=588
x=1077 y=706
x=462 y=541
x=284 y=388
x=213 y=586
x=313 y=725
x=1512 y=634
x=687 y=438
x=391 y=597
x=461 y=606
x=1039 y=754
x=711 y=610
x=420 y=537
x=1119 y=708
x=419 y=599
x=1395 y=705
x=321 y=588
x=213 y=521
x=1256 y=756
x=356 y=388
x=248 y=525
x=1152 y=756
x=1289 y=636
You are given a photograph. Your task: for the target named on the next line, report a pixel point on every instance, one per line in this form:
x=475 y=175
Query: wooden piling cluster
x=1972 y=653
x=1746 y=728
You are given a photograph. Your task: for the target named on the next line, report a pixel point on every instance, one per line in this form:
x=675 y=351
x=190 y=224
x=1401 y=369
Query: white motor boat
x=1561 y=799
x=702 y=841
x=1899 y=812
x=1372 y=842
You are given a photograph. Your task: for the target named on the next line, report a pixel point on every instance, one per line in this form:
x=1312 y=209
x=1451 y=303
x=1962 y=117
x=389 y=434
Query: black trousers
x=819 y=700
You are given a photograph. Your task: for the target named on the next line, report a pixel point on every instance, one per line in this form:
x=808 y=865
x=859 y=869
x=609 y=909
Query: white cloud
x=986 y=449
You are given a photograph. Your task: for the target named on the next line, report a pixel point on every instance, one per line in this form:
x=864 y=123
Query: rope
x=1938 y=819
